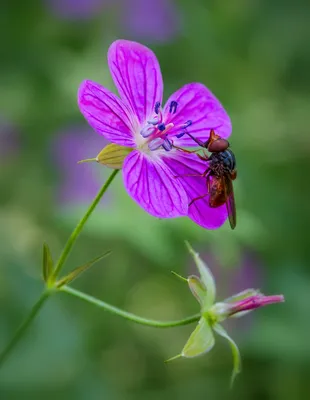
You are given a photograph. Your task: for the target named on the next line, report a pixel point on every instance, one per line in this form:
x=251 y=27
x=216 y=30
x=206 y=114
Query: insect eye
x=218 y=145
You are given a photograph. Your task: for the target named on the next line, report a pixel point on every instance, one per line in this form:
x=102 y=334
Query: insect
x=219 y=175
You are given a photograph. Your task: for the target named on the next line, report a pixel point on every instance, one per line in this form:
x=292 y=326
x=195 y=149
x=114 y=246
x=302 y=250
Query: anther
x=173 y=107
x=167 y=145
x=187 y=124
x=147 y=131
x=155 y=144
x=157 y=106
x=161 y=127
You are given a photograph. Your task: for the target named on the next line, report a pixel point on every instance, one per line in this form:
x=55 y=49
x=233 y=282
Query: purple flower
x=78 y=183
x=75 y=9
x=9 y=141
x=137 y=120
x=151 y=20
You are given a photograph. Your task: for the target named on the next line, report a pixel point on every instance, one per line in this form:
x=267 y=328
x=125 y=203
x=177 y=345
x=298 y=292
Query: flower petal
x=106 y=114
x=199 y=105
x=200 y=212
x=151 y=184
x=137 y=76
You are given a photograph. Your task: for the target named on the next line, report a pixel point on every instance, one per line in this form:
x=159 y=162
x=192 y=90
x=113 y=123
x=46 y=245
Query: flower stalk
x=50 y=275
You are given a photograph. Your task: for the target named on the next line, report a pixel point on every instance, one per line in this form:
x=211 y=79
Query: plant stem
x=80 y=226
x=131 y=317
x=20 y=331
x=68 y=247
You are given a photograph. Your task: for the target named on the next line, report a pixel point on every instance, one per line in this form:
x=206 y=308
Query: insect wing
x=230 y=202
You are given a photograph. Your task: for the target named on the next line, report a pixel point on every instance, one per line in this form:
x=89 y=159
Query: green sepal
x=79 y=270
x=179 y=276
x=235 y=351
x=200 y=341
x=48 y=264
x=206 y=278
x=113 y=155
x=198 y=289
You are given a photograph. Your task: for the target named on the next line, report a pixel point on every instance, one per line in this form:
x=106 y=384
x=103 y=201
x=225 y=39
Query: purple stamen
x=187 y=124
x=147 y=131
x=161 y=127
x=155 y=143
x=167 y=145
x=173 y=107
x=157 y=106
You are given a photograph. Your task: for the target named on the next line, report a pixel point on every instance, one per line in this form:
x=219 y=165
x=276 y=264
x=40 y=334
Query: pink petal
x=197 y=104
x=106 y=114
x=200 y=212
x=152 y=185
x=136 y=74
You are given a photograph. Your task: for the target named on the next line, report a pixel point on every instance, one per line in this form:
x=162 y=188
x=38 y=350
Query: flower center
x=156 y=130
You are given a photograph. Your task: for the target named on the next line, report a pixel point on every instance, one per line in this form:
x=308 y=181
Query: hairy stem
x=20 y=331
x=124 y=314
x=80 y=226
x=66 y=251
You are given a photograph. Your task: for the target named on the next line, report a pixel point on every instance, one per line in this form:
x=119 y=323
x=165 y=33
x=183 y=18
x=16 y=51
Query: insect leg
x=197 y=198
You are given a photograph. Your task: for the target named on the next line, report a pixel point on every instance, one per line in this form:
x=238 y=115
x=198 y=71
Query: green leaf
x=235 y=351
x=206 y=278
x=47 y=262
x=79 y=270
x=200 y=341
x=198 y=289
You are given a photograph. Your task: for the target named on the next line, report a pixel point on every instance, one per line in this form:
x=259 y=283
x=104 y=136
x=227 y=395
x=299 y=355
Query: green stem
x=124 y=314
x=20 y=331
x=68 y=247
x=80 y=226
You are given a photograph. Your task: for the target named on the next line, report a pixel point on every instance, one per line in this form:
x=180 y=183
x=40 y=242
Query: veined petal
x=137 y=76
x=150 y=183
x=106 y=114
x=196 y=103
x=183 y=164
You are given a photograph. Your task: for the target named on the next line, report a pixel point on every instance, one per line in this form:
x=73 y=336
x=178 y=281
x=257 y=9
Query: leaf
x=79 y=270
x=113 y=155
x=200 y=341
x=48 y=264
x=198 y=289
x=235 y=351
x=206 y=278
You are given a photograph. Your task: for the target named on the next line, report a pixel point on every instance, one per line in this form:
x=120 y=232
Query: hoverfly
x=220 y=173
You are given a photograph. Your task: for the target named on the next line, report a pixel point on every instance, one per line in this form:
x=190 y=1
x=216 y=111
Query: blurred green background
x=254 y=55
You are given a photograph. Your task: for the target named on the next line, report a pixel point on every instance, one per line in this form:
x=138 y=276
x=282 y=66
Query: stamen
x=147 y=131
x=187 y=124
x=173 y=107
x=153 y=121
x=157 y=106
x=155 y=143
x=161 y=127
x=167 y=145
x=184 y=126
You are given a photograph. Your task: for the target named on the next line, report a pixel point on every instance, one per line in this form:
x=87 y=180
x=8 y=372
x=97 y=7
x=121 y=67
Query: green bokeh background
x=254 y=55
